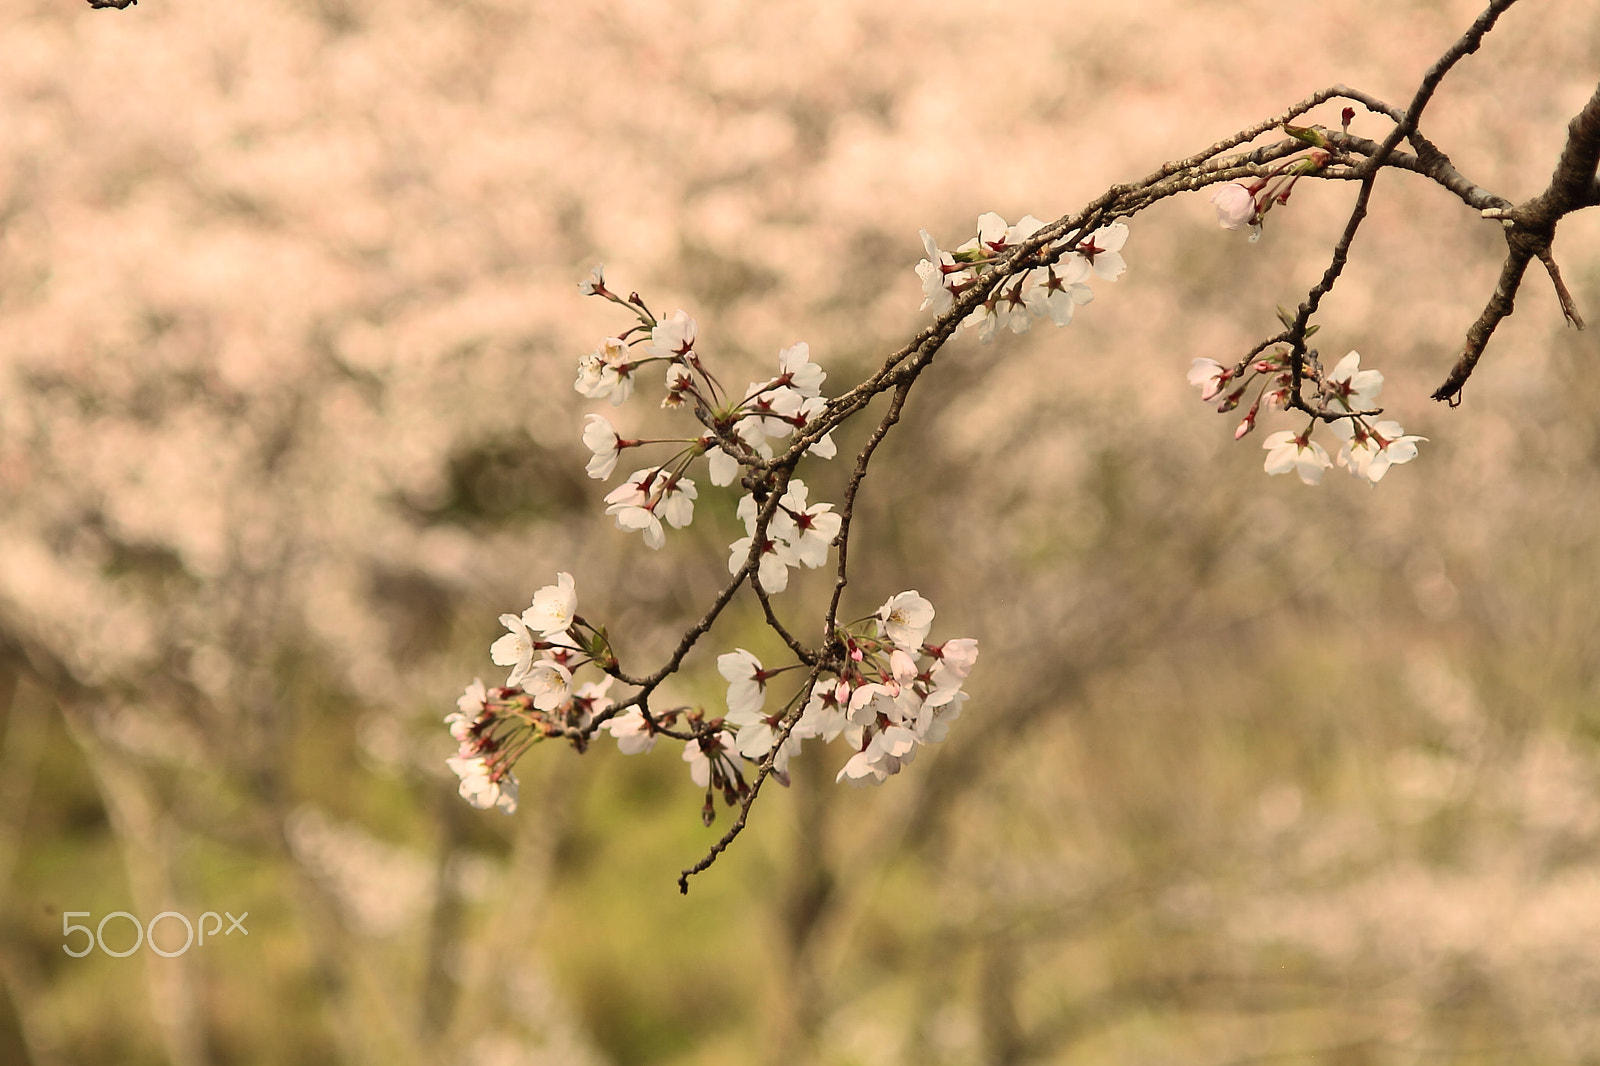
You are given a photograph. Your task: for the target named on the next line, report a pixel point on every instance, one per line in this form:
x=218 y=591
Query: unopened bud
x=1309 y=134
x=1230 y=401
x=1346 y=117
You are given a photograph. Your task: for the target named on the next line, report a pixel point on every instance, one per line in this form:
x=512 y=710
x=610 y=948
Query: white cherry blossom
x=1209 y=376
x=1369 y=451
x=724 y=467
x=695 y=754
x=813 y=527
x=673 y=337
x=1103 y=250
x=595 y=282
x=772 y=569
x=804 y=376
x=1288 y=451
x=938 y=274
x=1052 y=295
x=635 y=503
x=479 y=787
x=631 y=732
x=1355 y=389
x=602 y=440
x=747 y=685
x=553 y=607
x=677 y=502
x=515 y=649
x=824 y=715
x=608 y=371
x=814 y=406
x=549 y=683
x=905 y=620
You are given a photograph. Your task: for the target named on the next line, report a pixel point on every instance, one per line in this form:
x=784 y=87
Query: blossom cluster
x=895 y=694
x=1346 y=397
x=877 y=683
x=887 y=692
x=493 y=727
x=1052 y=292
x=880 y=698
x=741 y=432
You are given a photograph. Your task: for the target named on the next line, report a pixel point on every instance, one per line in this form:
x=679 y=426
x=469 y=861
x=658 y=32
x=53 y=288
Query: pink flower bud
x=1235 y=204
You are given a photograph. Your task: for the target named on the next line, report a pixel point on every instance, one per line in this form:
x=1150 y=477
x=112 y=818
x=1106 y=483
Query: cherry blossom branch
x=876 y=692
x=816 y=659
x=847 y=510
x=1464 y=46
x=763 y=771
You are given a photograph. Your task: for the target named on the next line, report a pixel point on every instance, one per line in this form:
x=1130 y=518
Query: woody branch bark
x=1467 y=44
x=1530 y=229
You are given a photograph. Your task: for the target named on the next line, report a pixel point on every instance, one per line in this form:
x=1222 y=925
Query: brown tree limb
x=1499 y=307
x=1530 y=230
x=1464 y=46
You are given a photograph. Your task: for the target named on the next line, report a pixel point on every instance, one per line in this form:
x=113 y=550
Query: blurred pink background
x=288 y=326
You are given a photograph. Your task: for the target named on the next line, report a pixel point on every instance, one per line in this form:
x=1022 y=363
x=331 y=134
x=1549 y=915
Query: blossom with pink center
x=1288 y=451
x=772 y=568
x=631 y=732
x=938 y=273
x=1350 y=386
x=1058 y=291
x=673 y=337
x=697 y=755
x=813 y=407
x=771 y=410
x=677 y=501
x=595 y=283
x=824 y=715
x=1370 y=450
x=589 y=700
x=1103 y=250
x=680 y=385
x=797 y=371
x=810 y=529
x=747 y=681
x=886 y=752
x=636 y=503
x=481 y=787
x=1209 y=376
